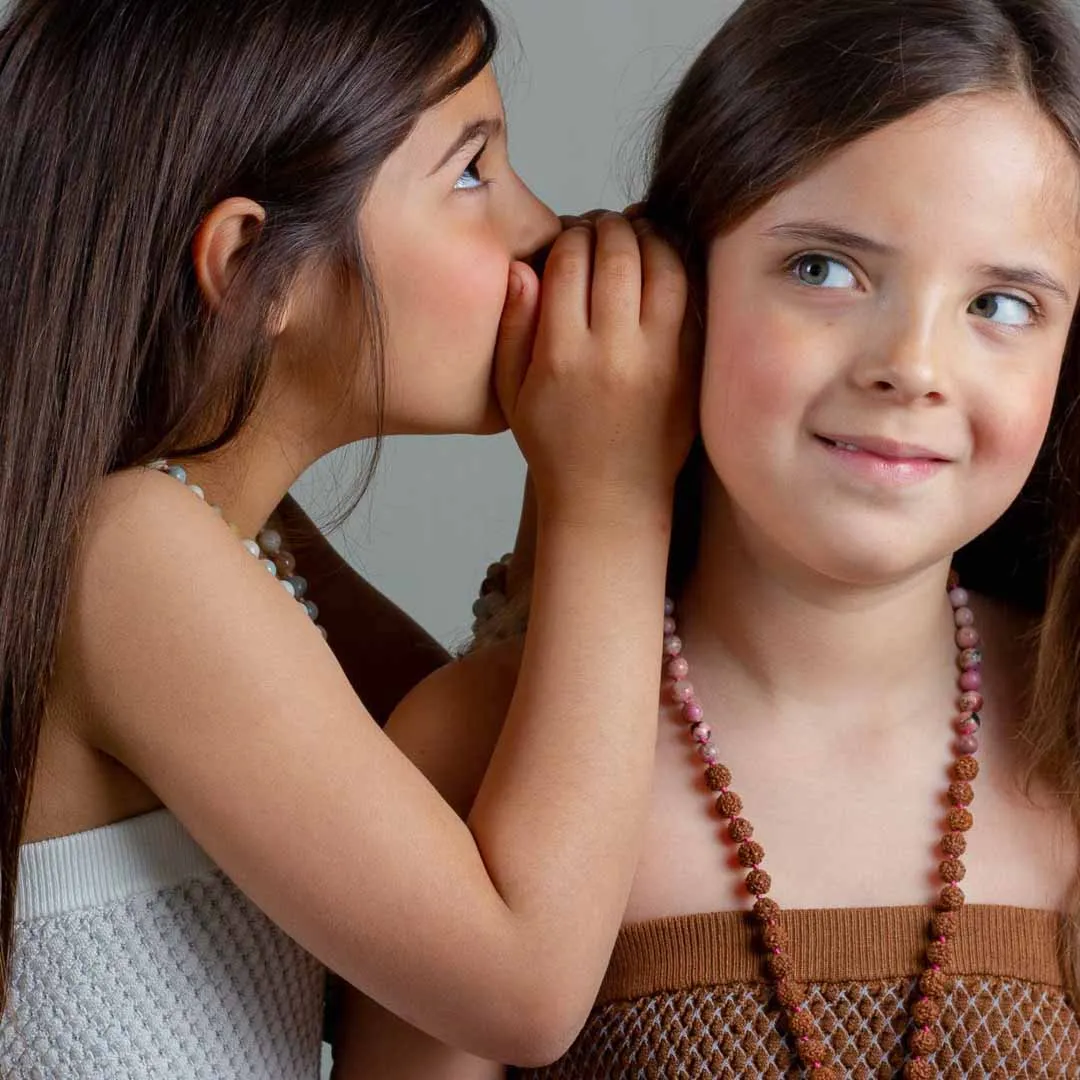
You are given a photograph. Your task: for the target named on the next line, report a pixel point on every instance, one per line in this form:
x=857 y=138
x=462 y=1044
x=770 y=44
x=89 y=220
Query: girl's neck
x=787 y=642
x=250 y=476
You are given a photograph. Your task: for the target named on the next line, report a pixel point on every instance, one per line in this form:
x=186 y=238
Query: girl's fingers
x=517 y=332
x=664 y=288
x=617 y=280
x=565 y=310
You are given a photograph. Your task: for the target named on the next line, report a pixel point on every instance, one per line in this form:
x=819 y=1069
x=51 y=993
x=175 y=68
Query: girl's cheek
x=753 y=369
x=473 y=282
x=1009 y=437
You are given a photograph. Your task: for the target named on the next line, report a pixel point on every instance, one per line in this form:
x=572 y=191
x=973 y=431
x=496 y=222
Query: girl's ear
x=218 y=249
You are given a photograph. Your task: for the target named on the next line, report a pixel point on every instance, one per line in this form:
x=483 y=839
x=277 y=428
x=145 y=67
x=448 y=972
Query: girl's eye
x=470 y=179
x=823 y=272
x=1004 y=309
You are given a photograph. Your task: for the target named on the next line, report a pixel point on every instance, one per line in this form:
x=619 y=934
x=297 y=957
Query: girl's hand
x=590 y=374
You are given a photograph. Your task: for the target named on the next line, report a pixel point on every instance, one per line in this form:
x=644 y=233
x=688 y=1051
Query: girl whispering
x=236 y=236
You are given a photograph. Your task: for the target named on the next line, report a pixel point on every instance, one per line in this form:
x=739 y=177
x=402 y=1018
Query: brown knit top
x=685 y=998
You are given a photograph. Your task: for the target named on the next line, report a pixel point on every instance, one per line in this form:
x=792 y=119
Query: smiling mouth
x=882 y=463
x=886 y=450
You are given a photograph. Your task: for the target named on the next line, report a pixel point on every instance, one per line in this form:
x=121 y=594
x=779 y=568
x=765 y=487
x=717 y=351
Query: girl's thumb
x=517 y=332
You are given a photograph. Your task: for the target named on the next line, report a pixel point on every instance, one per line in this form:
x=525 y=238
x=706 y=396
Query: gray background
x=582 y=81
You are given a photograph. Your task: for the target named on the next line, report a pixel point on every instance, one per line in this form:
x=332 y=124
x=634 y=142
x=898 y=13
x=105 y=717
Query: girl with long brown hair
x=854 y=864
x=234 y=236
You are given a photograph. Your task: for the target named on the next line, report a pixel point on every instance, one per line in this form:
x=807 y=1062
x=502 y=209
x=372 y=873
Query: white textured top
x=137 y=959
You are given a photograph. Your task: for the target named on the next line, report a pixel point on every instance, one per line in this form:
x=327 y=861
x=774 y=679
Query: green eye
x=823 y=272
x=1004 y=309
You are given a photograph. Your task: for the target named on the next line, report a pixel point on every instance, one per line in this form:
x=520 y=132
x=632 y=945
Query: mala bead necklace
x=924 y=1039
x=266 y=547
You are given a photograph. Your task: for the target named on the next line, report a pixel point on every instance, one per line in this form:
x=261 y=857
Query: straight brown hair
x=125 y=122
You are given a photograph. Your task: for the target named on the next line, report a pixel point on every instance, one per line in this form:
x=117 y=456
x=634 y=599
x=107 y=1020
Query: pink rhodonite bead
x=682 y=691
x=964 y=616
x=701 y=733
x=967 y=744
x=971 y=701
x=708 y=753
x=669 y=626
x=971 y=680
x=970 y=658
x=967 y=637
x=672 y=645
x=693 y=713
x=679 y=669
x=959 y=597
x=966 y=724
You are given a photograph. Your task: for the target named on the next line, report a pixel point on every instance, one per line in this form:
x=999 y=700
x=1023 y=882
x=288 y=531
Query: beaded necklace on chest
x=266 y=547
x=924 y=1039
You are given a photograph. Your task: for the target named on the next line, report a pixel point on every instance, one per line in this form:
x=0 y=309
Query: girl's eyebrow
x=823 y=233
x=488 y=127
x=1029 y=276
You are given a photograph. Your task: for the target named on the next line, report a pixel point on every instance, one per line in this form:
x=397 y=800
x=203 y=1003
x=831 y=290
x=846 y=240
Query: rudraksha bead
x=960 y=820
x=751 y=854
x=944 y=924
x=961 y=793
x=790 y=993
x=779 y=966
x=926 y=1011
x=801 y=1023
x=740 y=829
x=952 y=871
x=940 y=953
x=767 y=910
x=919 y=1069
x=965 y=768
x=952 y=898
x=729 y=804
x=717 y=777
x=954 y=844
x=811 y=1050
x=933 y=983
x=758 y=882
x=774 y=937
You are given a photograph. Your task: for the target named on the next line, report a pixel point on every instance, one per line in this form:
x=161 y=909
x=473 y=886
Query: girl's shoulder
x=164 y=594
x=449 y=725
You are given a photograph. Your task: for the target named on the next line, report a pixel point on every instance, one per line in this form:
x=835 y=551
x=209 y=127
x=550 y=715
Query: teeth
x=847 y=446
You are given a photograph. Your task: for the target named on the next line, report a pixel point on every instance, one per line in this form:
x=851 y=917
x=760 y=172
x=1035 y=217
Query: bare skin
x=816 y=624
x=185 y=677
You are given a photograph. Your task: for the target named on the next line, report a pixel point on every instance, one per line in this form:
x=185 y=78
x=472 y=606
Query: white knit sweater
x=136 y=959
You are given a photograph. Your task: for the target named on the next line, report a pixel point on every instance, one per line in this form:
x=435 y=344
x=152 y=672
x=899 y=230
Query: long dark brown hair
x=786 y=83
x=124 y=123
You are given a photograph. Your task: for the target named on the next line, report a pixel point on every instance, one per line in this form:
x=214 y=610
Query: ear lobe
x=219 y=245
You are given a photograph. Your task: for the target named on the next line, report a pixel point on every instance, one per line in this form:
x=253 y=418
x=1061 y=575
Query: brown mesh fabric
x=685 y=999
x=993 y=1027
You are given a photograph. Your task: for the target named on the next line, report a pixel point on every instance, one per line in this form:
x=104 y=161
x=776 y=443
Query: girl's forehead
x=975 y=171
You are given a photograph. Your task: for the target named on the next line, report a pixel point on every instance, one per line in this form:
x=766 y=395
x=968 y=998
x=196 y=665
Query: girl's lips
x=884 y=448
x=883 y=460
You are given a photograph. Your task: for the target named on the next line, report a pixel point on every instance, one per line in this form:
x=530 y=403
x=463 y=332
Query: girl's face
x=445 y=218
x=884 y=339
